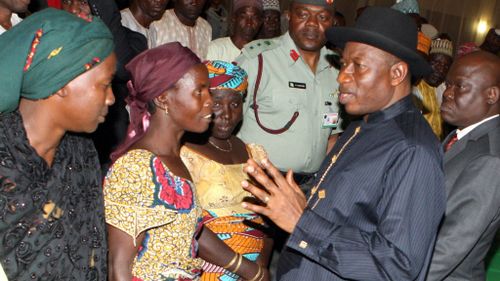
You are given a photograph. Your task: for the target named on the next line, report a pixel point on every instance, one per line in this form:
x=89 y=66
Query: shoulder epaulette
x=254 y=48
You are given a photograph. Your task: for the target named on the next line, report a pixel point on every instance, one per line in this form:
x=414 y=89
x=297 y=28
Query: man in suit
x=471 y=164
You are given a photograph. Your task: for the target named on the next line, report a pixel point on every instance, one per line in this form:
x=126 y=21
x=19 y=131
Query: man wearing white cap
x=271 y=26
x=183 y=24
x=492 y=42
x=430 y=90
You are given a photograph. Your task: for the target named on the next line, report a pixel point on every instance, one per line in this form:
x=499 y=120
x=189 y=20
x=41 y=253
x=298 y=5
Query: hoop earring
x=166 y=110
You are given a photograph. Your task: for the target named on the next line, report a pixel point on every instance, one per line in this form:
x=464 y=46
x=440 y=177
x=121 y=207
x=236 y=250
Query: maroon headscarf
x=153 y=72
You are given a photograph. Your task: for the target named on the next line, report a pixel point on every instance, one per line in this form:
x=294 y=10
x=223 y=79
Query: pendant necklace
x=229 y=144
x=322 y=192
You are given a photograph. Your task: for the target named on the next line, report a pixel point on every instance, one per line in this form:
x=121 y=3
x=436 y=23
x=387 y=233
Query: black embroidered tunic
x=51 y=218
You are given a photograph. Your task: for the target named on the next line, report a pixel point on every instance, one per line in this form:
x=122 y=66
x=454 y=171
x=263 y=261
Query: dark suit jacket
x=472 y=170
x=380 y=205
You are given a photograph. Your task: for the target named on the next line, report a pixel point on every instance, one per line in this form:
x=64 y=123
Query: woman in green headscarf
x=55 y=76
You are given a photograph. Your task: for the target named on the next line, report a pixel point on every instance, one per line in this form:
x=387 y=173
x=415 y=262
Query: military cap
x=323 y=3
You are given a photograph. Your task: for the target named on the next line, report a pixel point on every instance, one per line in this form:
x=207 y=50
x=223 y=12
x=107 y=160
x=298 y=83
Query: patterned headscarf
x=271 y=5
x=225 y=75
x=153 y=72
x=47 y=50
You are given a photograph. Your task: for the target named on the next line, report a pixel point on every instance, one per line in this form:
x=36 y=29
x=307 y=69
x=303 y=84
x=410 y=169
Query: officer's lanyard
x=255 y=106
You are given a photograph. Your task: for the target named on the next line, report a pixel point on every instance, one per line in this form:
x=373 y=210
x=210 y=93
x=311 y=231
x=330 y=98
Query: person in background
x=271 y=26
x=215 y=163
x=440 y=58
x=141 y=13
x=491 y=42
x=9 y=10
x=217 y=16
x=360 y=11
x=424 y=96
x=246 y=20
x=378 y=199
x=56 y=72
x=471 y=102
x=290 y=108
x=466 y=48
x=127 y=45
x=338 y=19
x=426 y=93
x=80 y=8
x=183 y=24
x=412 y=9
x=152 y=208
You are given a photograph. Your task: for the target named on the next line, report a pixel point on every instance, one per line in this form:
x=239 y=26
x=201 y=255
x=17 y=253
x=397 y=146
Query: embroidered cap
x=407 y=6
x=271 y=5
x=442 y=46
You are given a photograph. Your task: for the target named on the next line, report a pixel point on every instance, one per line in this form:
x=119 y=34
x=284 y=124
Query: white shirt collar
x=468 y=129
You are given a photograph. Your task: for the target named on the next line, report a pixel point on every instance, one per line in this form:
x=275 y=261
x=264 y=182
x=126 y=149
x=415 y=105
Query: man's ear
x=399 y=73
x=493 y=94
x=287 y=14
x=232 y=19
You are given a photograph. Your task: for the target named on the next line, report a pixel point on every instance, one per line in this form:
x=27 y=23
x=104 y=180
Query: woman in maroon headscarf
x=153 y=215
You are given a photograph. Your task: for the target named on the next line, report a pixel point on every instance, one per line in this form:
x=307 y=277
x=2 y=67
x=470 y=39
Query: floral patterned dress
x=142 y=195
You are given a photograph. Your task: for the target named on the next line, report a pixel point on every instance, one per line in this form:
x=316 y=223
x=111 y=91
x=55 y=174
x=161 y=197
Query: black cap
x=386 y=29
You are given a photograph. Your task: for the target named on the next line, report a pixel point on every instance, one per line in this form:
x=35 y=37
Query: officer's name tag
x=330 y=120
x=296 y=85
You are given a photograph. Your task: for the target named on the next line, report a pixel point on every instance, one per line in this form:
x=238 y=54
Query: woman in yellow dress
x=215 y=163
x=152 y=209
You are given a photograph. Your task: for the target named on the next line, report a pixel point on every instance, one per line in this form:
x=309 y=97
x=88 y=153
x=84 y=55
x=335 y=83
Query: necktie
x=451 y=142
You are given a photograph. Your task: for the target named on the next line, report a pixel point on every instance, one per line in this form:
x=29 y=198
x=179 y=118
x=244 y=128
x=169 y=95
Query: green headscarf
x=62 y=46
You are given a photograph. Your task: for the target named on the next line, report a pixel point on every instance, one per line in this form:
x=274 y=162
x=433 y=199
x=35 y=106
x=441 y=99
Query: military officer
x=291 y=107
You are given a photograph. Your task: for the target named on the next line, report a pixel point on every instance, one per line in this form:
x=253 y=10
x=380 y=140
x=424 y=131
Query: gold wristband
x=233 y=260
x=258 y=275
x=240 y=259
